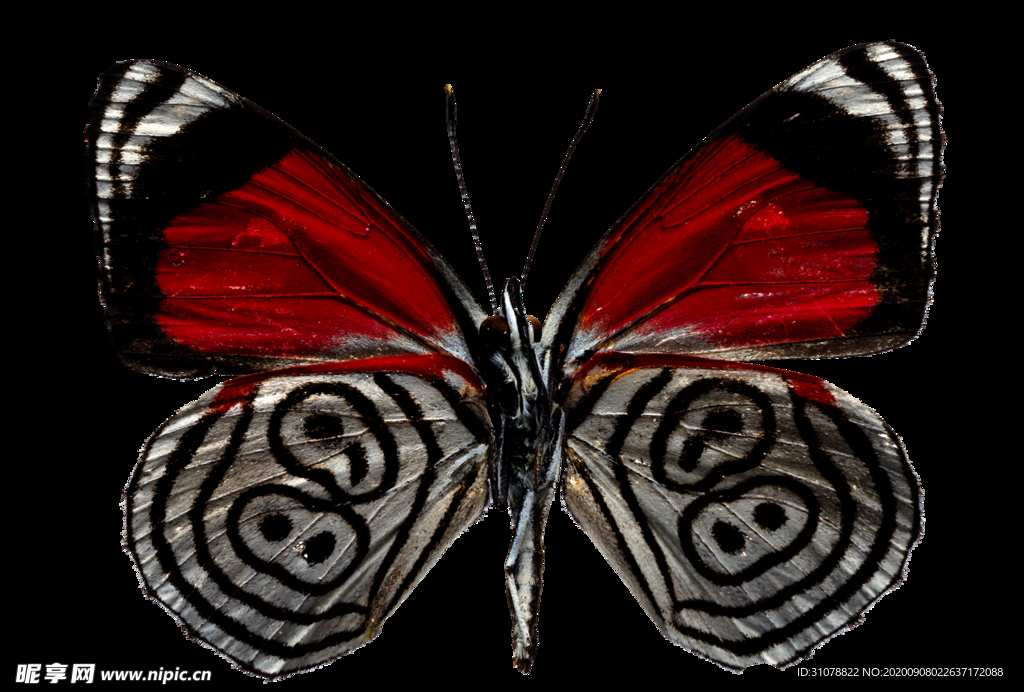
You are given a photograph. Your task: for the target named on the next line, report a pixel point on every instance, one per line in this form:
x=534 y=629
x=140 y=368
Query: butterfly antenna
x=449 y=100
x=587 y=119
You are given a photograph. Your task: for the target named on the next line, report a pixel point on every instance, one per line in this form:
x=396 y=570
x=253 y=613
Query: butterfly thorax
x=528 y=426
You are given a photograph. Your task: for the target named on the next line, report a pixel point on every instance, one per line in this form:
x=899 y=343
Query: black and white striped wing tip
x=889 y=87
x=281 y=519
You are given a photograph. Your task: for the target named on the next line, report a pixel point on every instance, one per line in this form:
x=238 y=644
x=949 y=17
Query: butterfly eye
x=536 y=327
x=495 y=332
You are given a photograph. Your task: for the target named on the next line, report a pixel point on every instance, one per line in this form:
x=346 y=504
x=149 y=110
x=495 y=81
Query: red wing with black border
x=803 y=227
x=230 y=243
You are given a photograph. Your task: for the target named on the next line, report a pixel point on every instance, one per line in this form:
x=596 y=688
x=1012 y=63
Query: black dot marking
x=728 y=537
x=723 y=420
x=358 y=464
x=322 y=426
x=276 y=527
x=717 y=421
x=319 y=548
x=693 y=448
x=770 y=516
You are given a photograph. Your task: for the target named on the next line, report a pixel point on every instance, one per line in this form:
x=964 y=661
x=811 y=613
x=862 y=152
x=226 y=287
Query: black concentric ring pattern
x=790 y=510
x=294 y=521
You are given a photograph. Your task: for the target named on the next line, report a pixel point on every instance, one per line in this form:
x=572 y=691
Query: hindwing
x=281 y=518
x=754 y=513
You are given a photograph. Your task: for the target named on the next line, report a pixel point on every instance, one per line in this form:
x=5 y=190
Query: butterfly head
x=509 y=342
x=523 y=328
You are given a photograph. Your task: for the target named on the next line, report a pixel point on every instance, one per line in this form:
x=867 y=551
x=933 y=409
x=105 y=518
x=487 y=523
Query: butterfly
x=377 y=411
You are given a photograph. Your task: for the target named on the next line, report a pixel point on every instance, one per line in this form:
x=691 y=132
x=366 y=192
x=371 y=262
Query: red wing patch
x=298 y=262
x=765 y=256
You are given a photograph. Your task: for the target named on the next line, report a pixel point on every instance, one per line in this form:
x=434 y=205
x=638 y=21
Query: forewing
x=803 y=227
x=754 y=513
x=281 y=518
x=230 y=243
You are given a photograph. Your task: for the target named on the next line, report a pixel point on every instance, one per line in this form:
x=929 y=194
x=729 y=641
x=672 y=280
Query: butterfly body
x=527 y=461
x=377 y=410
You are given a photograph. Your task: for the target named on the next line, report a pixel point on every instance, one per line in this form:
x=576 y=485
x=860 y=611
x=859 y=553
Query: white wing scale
x=753 y=513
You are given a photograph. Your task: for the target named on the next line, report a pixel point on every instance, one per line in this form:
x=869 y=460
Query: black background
x=379 y=108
